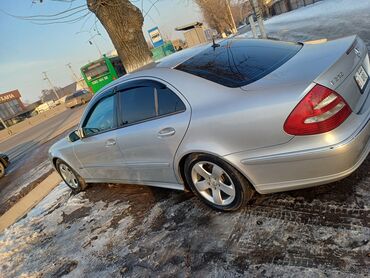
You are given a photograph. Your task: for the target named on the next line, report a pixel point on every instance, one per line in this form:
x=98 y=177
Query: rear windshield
x=239 y=62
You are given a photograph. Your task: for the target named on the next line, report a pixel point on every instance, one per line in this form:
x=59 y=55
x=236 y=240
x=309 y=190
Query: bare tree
x=217 y=14
x=241 y=9
x=123 y=22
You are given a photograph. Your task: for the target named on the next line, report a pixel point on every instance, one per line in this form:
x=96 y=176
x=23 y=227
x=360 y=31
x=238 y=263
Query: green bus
x=99 y=73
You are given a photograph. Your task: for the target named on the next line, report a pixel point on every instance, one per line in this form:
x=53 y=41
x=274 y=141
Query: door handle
x=110 y=142
x=166 y=132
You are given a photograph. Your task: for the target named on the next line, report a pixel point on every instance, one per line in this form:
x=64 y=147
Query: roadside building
x=193 y=33
x=49 y=95
x=11 y=105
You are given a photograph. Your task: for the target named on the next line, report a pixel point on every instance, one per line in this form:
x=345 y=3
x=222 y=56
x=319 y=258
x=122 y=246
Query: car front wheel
x=2 y=170
x=217 y=183
x=70 y=177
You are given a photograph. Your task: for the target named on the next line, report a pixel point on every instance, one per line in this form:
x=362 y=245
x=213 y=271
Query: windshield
x=239 y=62
x=95 y=70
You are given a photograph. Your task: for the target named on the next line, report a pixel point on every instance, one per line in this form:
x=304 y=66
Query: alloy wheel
x=68 y=176
x=2 y=170
x=213 y=183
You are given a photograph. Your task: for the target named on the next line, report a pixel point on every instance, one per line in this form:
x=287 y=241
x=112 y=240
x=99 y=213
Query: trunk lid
x=340 y=76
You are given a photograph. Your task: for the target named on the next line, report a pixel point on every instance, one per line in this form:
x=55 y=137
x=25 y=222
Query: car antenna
x=214 y=44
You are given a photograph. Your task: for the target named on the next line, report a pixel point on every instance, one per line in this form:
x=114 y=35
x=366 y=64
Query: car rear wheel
x=217 y=183
x=2 y=170
x=70 y=177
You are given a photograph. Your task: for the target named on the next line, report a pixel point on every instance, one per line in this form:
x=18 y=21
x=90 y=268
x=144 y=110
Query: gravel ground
x=137 y=231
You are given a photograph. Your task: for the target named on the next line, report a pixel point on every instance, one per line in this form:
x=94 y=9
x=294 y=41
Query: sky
x=27 y=49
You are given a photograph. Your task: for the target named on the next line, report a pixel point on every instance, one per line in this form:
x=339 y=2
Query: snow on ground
x=138 y=231
x=329 y=19
x=323 y=9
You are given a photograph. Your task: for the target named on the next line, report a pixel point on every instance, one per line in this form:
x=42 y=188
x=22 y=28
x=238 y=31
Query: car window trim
x=115 y=114
x=151 y=119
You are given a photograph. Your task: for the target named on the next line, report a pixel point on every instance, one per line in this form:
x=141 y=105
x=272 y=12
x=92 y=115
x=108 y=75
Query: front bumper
x=300 y=169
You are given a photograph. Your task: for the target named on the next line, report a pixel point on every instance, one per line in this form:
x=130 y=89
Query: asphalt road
x=20 y=144
x=28 y=152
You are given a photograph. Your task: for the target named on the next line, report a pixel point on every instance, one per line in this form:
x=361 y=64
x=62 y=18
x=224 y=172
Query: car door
x=153 y=118
x=97 y=151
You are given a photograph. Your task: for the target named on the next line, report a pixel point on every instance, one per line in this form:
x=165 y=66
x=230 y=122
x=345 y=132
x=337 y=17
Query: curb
x=29 y=201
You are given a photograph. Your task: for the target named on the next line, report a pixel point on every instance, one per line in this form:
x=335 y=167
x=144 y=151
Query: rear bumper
x=301 y=169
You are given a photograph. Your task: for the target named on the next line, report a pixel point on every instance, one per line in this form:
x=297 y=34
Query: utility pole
x=50 y=84
x=234 y=29
x=75 y=77
x=259 y=18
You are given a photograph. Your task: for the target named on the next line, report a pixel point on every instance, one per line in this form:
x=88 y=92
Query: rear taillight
x=321 y=110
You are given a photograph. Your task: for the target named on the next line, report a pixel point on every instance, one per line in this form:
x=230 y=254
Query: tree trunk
x=123 y=22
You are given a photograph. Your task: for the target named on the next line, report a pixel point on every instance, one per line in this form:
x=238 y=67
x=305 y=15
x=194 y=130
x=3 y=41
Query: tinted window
x=168 y=102
x=101 y=118
x=137 y=104
x=79 y=93
x=237 y=63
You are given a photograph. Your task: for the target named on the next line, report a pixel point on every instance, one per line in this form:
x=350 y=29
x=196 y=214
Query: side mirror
x=74 y=136
x=80 y=133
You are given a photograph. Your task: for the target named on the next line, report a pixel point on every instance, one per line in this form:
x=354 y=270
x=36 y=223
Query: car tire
x=70 y=177
x=217 y=183
x=2 y=170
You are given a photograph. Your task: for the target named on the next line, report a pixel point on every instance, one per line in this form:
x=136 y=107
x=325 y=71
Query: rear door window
x=147 y=102
x=137 y=104
x=168 y=102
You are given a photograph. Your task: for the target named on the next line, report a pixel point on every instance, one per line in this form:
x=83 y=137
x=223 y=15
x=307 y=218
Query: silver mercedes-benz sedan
x=228 y=119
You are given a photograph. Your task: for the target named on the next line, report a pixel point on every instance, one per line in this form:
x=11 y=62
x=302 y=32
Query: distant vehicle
x=4 y=162
x=101 y=72
x=78 y=98
x=45 y=106
x=228 y=120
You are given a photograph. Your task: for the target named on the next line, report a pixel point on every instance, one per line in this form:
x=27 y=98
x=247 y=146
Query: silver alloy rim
x=213 y=183
x=2 y=170
x=68 y=176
